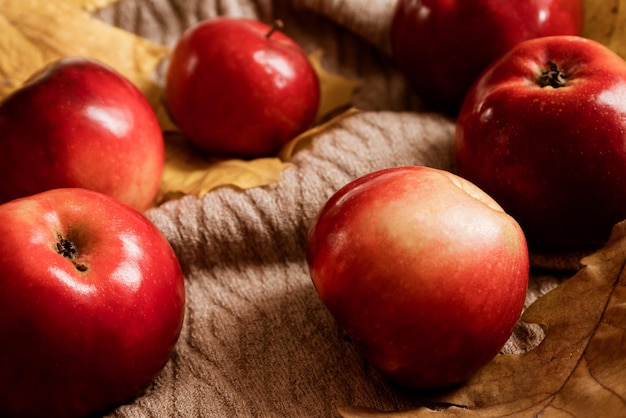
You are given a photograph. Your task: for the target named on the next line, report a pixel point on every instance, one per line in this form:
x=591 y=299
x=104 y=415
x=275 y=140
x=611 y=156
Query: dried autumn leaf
x=36 y=32
x=18 y=59
x=305 y=138
x=90 y=5
x=577 y=370
x=189 y=171
x=605 y=22
x=335 y=90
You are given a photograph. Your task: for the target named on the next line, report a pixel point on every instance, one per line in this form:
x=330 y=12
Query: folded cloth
x=256 y=340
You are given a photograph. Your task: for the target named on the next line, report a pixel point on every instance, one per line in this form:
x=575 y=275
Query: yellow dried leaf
x=576 y=371
x=18 y=57
x=304 y=139
x=41 y=31
x=189 y=171
x=605 y=22
x=335 y=91
x=166 y=122
x=90 y=5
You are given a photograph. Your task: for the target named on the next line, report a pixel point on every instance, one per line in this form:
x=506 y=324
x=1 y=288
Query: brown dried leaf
x=577 y=370
x=605 y=22
x=36 y=32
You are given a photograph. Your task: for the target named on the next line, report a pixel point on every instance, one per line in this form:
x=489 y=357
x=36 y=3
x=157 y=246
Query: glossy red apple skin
x=554 y=158
x=78 y=343
x=79 y=123
x=234 y=91
x=442 y=46
x=423 y=271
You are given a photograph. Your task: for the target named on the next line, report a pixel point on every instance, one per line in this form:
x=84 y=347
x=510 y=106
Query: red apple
x=543 y=131
x=91 y=304
x=237 y=87
x=442 y=46
x=423 y=271
x=79 y=123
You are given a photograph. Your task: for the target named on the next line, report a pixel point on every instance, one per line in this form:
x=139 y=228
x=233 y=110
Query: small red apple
x=91 y=304
x=442 y=46
x=422 y=269
x=543 y=131
x=238 y=87
x=79 y=123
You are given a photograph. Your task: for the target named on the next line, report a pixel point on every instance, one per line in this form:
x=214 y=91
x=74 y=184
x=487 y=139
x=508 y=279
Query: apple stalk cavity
x=554 y=76
x=69 y=251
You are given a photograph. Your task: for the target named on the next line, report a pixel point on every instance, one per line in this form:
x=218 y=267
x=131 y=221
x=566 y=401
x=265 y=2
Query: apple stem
x=553 y=76
x=278 y=24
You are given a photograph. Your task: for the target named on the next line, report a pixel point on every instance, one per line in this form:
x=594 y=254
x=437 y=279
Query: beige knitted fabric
x=256 y=340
